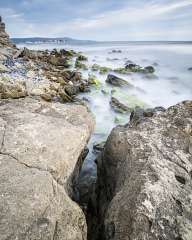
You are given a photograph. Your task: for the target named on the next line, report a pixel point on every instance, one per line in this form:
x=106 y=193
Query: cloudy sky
x=99 y=19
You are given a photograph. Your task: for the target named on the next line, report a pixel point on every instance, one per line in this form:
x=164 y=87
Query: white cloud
x=152 y=20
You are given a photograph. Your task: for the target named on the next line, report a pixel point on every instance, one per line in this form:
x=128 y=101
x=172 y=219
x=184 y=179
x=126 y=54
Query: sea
x=171 y=83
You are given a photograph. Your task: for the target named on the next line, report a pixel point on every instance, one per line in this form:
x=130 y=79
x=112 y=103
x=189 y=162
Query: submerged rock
x=144 y=186
x=40 y=147
x=130 y=101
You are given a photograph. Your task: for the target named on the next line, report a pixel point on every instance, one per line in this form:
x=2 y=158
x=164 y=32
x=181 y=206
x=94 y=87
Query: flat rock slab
x=40 y=147
x=144 y=188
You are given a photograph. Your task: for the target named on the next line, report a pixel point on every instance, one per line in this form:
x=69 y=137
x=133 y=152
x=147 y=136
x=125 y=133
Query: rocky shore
x=143 y=188
x=42 y=141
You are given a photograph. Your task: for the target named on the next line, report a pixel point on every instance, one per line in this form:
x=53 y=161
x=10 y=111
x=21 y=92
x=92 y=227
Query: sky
x=104 y=20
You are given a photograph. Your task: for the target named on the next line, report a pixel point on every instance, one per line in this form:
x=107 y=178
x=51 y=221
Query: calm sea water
x=172 y=85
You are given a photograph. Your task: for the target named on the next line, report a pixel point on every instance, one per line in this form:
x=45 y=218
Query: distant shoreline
x=38 y=40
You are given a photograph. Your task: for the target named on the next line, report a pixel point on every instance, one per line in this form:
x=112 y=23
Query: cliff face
x=4 y=37
x=144 y=188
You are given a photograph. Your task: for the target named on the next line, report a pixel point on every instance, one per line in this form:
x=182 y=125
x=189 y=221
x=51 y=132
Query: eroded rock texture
x=4 y=37
x=144 y=188
x=40 y=147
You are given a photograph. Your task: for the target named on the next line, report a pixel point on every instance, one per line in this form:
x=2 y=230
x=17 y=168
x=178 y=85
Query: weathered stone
x=9 y=89
x=144 y=188
x=40 y=147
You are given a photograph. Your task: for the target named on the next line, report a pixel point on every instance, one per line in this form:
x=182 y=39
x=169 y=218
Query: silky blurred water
x=172 y=85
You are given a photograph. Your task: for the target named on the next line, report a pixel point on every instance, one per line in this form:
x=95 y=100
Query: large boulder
x=40 y=147
x=144 y=188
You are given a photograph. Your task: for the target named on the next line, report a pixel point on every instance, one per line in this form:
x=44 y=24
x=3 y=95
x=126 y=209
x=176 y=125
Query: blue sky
x=99 y=19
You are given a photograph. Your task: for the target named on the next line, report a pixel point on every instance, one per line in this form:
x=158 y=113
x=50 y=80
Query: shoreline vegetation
x=143 y=187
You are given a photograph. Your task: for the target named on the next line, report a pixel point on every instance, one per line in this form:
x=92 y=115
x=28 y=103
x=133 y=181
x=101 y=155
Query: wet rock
x=121 y=70
x=80 y=65
x=144 y=187
x=116 y=81
x=82 y=58
x=118 y=106
x=116 y=51
x=95 y=67
x=93 y=80
x=98 y=147
x=139 y=114
x=132 y=67
x=41 y=144
x=104 y=70
x=149 y=69
x=67 y=53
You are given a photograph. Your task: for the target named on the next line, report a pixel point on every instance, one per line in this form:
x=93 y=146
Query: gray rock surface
x=4 y=37
x=40 y=147
x=144 y=188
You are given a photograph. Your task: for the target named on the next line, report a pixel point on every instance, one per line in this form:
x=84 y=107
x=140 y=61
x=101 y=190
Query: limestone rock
x=9 y=89
x=144 y=188
x=40 y=147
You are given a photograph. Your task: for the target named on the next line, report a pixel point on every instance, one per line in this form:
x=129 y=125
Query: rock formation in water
x=144 y=187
